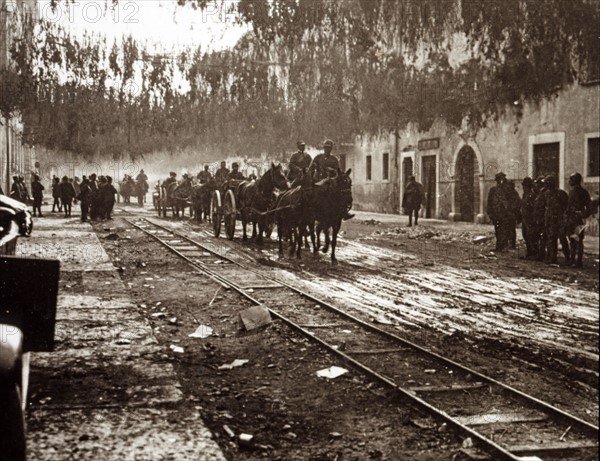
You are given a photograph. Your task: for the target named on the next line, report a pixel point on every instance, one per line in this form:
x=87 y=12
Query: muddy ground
x=528 y=324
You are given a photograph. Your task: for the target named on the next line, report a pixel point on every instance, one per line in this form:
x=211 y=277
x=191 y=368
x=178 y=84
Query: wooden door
x=429 y=184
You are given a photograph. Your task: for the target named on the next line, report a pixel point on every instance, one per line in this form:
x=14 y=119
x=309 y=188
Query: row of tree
x=308 y=68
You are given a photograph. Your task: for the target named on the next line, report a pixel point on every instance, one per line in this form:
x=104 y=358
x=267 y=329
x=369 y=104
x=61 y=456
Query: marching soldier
x=578 y=209
x=56 y=195
x=528 y=229
x=557 y=201
x=299 y=161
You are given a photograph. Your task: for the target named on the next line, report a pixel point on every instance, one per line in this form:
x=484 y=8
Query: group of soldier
x=322 y=166
x=548 y=214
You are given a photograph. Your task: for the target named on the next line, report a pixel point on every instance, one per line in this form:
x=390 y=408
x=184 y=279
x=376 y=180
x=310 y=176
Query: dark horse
x=295 y=213
x=332 y=200
x=256 y=198
x=201 y=195
x=141 y=189
x=178 y=196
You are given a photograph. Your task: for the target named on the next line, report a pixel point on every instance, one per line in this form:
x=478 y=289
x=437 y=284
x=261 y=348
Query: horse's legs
x=261 y=229
x=327 y=240
x=280 y=236
x=300 y=237
x=318 y=238
x=244 y=222
x=334 y=234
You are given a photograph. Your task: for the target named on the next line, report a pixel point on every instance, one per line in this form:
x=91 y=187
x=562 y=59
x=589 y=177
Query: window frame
x=586 y=157
x=369 y=168
x=385 y=167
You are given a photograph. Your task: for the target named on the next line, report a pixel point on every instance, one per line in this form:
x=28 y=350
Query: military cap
x=328 y=143
x=300 y=143
x=576 y=178
x=172 y=173
x=527 y=181
x=500 y=176
x=234 y=164
x=550 y=179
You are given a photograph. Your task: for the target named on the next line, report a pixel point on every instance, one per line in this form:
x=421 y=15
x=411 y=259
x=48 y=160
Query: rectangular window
x=369 y=165
x=593 y=157
x=546 y=159
x=386 y=166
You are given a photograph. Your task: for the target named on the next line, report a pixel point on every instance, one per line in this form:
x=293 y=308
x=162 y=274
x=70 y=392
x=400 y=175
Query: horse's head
x=278 y=178
x=343 y=184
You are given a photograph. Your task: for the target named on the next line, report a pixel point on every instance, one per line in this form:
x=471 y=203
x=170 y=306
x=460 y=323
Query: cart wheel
x=12 y=424
x=216 y=212
x=229 y=214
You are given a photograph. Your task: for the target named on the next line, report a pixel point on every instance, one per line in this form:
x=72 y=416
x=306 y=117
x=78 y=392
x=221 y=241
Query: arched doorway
x=466 y=191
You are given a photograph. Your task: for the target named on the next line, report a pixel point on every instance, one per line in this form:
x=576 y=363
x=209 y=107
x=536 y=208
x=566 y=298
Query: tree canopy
x=308 y=68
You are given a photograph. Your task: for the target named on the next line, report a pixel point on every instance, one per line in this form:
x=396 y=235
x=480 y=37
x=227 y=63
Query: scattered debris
x=245 y=439
x=214 y=297
x=423 y=423
x=331 y=372
x=383 y=320
x=335 y=435
x=236 y=363
x=467 y=443
x=255 y=317
x=176 y=349
x=112 y=236
x=482 y=238
x=203 y=331
x=228 y=430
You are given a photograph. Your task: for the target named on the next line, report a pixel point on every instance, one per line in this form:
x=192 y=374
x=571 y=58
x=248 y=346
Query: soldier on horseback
x=204 y=176
x=222 y=173
x=299 y=161
x=236 y=174
x=325 y=165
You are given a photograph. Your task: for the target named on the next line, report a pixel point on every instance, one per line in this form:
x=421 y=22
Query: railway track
x=502 y=421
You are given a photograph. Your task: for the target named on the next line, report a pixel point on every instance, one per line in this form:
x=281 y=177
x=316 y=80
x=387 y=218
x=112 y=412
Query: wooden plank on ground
x=498 y=418
x=553 y=447
x=451 y=388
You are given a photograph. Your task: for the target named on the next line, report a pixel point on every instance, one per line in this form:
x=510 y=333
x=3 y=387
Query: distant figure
x=578 y=210
x=412 y=200
x=300 y=160
x=204 y=176
x=94 y=204
x=497 y=210
x=84 y=197
x=67 y=194
x=56 y=205
x=141 y=176
x=557 y=201
x=23 y=190
x=539 y=220
x=15 y=189
x=76 y=184
x=108 y=194
x=513 y=215
x=37 y=192
x=528 y=229
x=222 y=173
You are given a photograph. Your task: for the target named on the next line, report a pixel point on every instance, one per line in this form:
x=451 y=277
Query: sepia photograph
x=299 y=230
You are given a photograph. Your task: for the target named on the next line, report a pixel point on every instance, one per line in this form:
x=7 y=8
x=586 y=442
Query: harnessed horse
x=331 y=201
x=294 y=213
x=256 y=197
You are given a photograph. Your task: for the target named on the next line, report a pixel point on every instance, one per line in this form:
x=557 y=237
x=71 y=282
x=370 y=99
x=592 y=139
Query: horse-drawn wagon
x=247 y=201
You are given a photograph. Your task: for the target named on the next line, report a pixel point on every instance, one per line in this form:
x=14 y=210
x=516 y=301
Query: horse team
x=302 y=202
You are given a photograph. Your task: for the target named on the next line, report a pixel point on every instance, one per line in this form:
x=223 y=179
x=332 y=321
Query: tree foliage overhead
x=308 y=68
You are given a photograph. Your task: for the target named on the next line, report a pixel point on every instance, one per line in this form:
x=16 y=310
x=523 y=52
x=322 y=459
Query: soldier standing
x=578 y=209
x=557 y=201
x=528 y=229
x=84 y=197
x=412 y=200
x=67 y=194
x=539 y=211
x=222 y=173
x=37 y=192
x=299 y=161
x=204 y=176
x=56 y=194
x=108 y=198
x=94 y=208
x=513 y=216
x=497 y=210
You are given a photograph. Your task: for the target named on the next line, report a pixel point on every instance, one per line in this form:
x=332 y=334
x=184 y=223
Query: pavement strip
x=108 y=391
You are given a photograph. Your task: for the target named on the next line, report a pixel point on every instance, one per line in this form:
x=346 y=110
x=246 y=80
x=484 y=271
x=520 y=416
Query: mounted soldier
x=235 y=173
x=300 y=161
x=204 y=176
x=326 y=165
x=222 y=173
